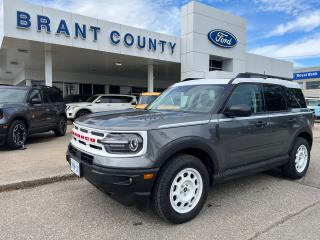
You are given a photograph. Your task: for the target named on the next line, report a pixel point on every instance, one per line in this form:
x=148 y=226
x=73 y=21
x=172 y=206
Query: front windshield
x=146 y=99
x=12 y=95
x=192 y=98
x=313 y=103
x=92 y=98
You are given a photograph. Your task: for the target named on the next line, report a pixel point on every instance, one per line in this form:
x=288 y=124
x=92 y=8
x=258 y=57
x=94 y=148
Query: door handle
x=261 y=124
x=292 y=120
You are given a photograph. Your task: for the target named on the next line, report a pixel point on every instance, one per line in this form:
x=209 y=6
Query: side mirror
x=241 y=110
x=98 y=101
x=133 y=103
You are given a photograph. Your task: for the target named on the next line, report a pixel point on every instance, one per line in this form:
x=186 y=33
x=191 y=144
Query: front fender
x=185 y=143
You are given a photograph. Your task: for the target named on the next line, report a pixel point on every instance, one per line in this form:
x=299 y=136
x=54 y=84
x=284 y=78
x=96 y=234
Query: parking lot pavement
x=254 y=207
x=44 y=157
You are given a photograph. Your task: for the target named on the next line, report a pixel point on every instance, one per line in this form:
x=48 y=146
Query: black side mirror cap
x=240 y=110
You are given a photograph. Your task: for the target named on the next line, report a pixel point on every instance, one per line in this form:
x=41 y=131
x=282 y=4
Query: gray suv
x=196 y=134
x=29 y=110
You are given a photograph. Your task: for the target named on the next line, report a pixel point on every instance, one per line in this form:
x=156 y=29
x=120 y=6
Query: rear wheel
x=82 y=113
x=181 y=189
x=298 y=163
x=61 y=128
x=17 y=134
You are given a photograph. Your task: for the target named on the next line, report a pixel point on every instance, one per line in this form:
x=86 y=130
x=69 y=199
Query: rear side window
x=248 y=94
x=295 y=98
x=275 y=97
x=52 y=95
x=121 y=99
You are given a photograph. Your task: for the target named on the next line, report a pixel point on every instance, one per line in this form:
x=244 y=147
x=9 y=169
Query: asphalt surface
x=263 y=206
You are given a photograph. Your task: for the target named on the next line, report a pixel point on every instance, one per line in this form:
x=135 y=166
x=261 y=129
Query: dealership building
x=83 y=55
x=309 y=79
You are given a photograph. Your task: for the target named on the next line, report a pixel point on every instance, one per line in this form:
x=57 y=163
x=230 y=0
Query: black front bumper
x=127 y=186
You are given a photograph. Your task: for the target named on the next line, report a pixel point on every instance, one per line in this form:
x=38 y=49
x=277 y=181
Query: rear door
x=245 y=140
x=280 y=118
x=50 y=107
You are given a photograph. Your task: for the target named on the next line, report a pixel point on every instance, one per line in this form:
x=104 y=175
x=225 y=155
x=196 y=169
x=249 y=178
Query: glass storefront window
x=313 y=85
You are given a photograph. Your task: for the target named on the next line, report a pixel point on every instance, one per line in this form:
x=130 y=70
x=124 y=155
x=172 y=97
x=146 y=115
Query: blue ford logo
x=222 y=38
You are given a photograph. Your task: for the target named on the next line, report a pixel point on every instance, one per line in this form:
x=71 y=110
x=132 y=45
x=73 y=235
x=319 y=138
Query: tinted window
x=105 y=100
x=52 y=95
x=295 y=98
x=36 y=95
x=275 y=97
x=248 y=94
x=121 y=99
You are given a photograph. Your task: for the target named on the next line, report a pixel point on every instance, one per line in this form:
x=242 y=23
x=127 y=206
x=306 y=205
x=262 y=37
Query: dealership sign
x=222 y=38
x=83 y=31
x=306 y=75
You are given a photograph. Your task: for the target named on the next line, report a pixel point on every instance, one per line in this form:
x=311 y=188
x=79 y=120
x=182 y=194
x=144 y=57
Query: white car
x=100 y=103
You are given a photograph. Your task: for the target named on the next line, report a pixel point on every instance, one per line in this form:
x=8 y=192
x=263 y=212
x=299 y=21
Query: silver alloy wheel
x=301 y=158
x=186 y=190
x=19 y=134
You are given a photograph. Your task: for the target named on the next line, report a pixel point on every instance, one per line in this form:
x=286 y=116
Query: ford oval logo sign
x=222 y=38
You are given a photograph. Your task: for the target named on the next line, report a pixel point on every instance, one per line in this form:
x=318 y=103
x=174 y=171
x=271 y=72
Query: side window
x=295 y=98
x=248 y=94
x=105 y=99
x=47 y=98
x=35 y=95
x=275 y=97
x=121 y=99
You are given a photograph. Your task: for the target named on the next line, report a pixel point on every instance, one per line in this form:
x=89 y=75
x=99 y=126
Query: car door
x=244 y=140
x=36 y=113
x=103 y=103
x=280 y=118
x=120 y=102
x=50 y=108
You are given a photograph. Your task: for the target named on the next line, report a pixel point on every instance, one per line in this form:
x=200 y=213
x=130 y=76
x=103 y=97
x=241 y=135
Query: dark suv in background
x=28 y=110
x=197 y=133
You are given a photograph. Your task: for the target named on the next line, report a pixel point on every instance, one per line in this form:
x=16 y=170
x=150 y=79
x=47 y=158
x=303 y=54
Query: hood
x=135 y=119
x=10 y=105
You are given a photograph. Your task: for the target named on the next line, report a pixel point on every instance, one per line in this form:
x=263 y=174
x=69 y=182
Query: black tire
x=290 y=170
x=61 y=128
x=161 y=194
x=82 y=113
x=17 y=134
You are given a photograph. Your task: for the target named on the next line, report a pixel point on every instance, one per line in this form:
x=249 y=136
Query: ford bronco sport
x=28 y=110
x=196 y=134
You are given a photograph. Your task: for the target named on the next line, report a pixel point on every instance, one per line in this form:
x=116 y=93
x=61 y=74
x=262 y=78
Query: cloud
x=160 y=16
x=300 y=49
x=307 y=22
x=292 y=7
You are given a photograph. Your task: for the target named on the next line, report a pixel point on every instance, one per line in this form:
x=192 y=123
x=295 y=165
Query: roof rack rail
x=258 y=75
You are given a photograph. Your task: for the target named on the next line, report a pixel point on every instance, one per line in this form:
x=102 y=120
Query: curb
x=36 y=182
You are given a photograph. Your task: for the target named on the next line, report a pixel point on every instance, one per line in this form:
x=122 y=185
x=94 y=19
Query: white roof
x=286 y=83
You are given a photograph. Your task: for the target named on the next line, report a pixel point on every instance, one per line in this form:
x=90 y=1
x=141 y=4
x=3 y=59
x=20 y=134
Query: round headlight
x=134 y=143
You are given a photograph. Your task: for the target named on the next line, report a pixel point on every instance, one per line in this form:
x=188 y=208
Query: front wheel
x=181 y=189
x=298 y=163
x=17 y=134
x=82 y=113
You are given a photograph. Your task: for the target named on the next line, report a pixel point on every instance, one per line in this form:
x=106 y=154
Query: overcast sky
x=285 y=29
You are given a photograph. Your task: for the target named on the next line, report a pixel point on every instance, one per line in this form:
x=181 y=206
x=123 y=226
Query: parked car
x=29 y=110
x=196 y=134
x=100 y=103
x=146 y=98
x=314 y=105
x=75 y=98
